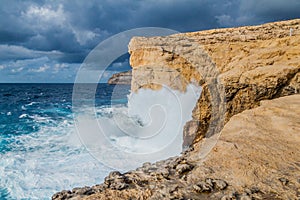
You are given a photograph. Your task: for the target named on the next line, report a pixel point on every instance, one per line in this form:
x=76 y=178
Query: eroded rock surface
x=257 y=157
x=257 y=154
x=251 y=64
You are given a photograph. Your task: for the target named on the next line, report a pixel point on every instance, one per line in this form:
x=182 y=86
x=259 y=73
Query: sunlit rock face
x=252 y=63
x=256 y=157
x=257 y=153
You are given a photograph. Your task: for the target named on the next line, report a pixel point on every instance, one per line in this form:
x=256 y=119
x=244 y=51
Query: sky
x=45 y=41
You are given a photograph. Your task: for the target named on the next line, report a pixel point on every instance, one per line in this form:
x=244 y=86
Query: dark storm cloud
x=73 y=28
x=260 y=11
x=9 y=37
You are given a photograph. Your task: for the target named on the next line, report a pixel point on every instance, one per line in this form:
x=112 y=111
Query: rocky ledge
x=257 y=156
x=249 y=64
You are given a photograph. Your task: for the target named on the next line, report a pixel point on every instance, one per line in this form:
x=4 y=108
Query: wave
x=60 y=152
x=148 y=129
x=47 y=161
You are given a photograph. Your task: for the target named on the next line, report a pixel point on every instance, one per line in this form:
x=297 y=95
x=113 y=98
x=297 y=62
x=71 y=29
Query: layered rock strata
x=248 y=71
x=256 y=157
x=250 y=64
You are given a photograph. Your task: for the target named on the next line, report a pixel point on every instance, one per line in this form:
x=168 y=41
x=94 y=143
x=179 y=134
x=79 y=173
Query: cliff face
x=254 y=74
x=250 y=64
x=256 y=157
x=123 y=78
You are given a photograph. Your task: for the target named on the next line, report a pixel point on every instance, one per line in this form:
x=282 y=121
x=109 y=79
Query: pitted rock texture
x=257 y=154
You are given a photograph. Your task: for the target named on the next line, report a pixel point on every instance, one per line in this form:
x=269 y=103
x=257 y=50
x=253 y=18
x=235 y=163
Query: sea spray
x=148 y=129
x=41 y=152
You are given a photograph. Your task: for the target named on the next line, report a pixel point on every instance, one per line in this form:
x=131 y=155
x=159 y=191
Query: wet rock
x=180 y=160
x=62 y=195
x=189 y=132
x=182 y=168
x=164 y=172
x=160 y=173
x=203 y=186
x=220 y=184
x=115 y=175
x=146 y=164
x=119 y=186
x=210 y=185
x=83 y=191
x=116 y=181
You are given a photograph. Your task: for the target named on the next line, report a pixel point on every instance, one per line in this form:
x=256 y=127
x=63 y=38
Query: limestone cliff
x=123 y=78
x=250 y=64
x=256 y=157
x=250 y=78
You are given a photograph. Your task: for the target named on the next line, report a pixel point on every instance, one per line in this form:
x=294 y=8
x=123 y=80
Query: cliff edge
x=250 y=64
x=256 y=157
x=255 y=72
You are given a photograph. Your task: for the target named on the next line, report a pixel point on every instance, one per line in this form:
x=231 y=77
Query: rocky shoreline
x=257 y=155
x=261 y=165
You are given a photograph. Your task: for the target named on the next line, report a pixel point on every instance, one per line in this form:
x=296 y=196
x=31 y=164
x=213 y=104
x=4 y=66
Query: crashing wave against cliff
x=257 y=155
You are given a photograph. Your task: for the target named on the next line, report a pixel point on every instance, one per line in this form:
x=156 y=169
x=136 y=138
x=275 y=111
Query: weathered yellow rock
x=257 y=154
x=251 y=63
x=257 y=148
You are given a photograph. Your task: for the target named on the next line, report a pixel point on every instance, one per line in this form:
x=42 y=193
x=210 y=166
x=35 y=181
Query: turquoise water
x=55 y=137
x=39 y=149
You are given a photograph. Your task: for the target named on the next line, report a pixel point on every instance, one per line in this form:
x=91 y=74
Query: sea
x=41 y=151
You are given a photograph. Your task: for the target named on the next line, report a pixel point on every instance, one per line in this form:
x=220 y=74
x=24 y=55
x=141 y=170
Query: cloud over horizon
x=64 y=32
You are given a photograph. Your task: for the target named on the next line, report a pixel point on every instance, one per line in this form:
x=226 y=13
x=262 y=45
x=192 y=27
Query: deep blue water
x=36 y=124
x=56 y=136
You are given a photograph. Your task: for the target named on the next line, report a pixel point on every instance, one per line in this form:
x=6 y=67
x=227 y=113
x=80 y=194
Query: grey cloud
x=271 y=10
x=261 y=11
x=13 y=52
x=75 y=27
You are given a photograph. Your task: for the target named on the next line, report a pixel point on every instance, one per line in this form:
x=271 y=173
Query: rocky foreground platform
x=258 y=153
x=256 y=157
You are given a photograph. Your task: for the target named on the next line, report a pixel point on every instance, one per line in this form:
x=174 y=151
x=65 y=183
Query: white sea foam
x=48 y=161
x=31 y=103
x=24 y=108
x=150 y=129
x=23 y=116
x=54 y=158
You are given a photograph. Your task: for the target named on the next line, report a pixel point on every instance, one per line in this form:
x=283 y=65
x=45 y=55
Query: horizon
x=57 y=83
x=46 y=42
